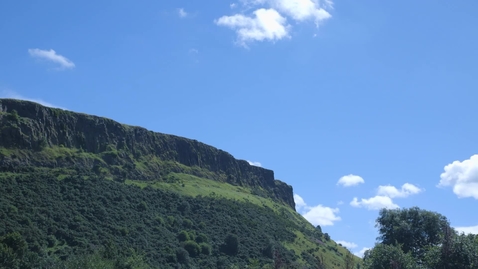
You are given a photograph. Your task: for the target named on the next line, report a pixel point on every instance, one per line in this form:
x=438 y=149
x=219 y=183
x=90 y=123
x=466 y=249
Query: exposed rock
x=103 y=143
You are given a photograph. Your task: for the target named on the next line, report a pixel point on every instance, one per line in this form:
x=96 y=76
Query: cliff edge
x=34 y=136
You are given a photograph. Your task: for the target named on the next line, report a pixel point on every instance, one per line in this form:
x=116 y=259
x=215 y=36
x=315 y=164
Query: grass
x=187 y=184
x=190 y=185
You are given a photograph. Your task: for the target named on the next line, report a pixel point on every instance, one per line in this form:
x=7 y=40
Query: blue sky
x=385 y=91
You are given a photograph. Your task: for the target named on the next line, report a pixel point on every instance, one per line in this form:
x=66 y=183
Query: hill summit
x=120 y=151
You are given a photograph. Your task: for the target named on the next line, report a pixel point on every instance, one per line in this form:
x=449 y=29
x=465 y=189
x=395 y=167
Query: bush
x=183 y=236
x=205 y=248
x=192 y=248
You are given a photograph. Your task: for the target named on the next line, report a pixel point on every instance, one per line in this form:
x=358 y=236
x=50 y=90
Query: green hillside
x=79 y=189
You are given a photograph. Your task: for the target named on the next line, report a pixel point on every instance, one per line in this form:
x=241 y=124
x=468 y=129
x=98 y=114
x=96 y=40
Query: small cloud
x=13 y=95
x=340 y=202
x=374 y=203
x=350 y=180
x=322 y=215
x=266 y=24
x=52 y=56
x=182 y=13
x=462 y=176
x=268 y=20
x=384 y=196
x=316 y=215
x=299 y=202
x=392 y=192
x=193 y=51
x=255 y=163
x=467 y=230
x=361 y=252
x=346 y=244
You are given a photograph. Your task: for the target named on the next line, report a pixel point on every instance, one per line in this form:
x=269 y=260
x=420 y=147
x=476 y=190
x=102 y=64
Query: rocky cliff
x=34 y=136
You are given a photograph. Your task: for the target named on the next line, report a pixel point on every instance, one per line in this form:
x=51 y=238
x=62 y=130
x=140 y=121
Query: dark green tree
x=388 y=257
x=413 y=228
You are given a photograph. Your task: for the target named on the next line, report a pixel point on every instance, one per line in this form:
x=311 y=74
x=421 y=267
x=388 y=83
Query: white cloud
x=317 y=215
x=340 y=202
x=182 y=13
x=384 y=196
x=299 y=202
x=361 y=252
x=392 y=192
x=463 y=176
x=350 y=180
x=467 y=230
x=267 y=24
x=268 y=21
x=346 y=244
x=52 y=56
x=374 y=203
x=193 y=51
x=14 y=95
x=301 y=10
x=322 y=215
x=255 y=163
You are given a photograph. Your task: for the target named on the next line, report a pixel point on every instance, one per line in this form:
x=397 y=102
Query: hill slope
x=71 y=183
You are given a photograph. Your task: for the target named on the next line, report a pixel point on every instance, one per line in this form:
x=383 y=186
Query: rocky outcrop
x=31 y=127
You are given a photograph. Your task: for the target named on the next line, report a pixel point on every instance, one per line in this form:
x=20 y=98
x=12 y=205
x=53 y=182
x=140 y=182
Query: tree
x=414 y=229
x=388 y=256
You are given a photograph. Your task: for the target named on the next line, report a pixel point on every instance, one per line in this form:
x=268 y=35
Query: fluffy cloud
x=392 y=192
x=384 y=196
x=255 y=163
x=374 y=203
x=346 y=244
x=350 y=180
x=14 y=95
x=462 y=176
x=182 y=13
x=317 y=215
x=268 y=21
x=52 y=56
x=265 y=24
x=301 y=10
x=467 y=230
x=361 y=252
x=299 y=202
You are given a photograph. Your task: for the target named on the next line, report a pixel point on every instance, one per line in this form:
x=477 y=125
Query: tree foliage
x=416 y=238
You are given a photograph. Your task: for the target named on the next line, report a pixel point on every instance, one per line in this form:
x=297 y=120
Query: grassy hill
x=75 y=188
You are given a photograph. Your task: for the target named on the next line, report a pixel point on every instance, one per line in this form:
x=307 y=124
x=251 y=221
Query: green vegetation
x=414 y=238
x=78 y=191
x=58 y=219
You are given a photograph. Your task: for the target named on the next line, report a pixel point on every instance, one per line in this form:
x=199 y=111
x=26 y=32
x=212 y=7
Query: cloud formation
x=361 y=252
x=350 y=180
x=374 y=203
x=52 y=56
x=406 y=190
x=462 y=176
x=182 y=13
x=269 y=18
x=13 y=95
x=346 y=244
x=467 y=230
x=384 y=196
x=317 y=215
x=265 y=24
x=255 y=163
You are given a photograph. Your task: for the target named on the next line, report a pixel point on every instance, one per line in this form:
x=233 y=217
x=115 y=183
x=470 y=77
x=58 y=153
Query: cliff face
x=122 y=151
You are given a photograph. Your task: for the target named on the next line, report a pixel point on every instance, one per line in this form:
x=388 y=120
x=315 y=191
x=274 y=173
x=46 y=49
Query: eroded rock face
x=125 y=151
